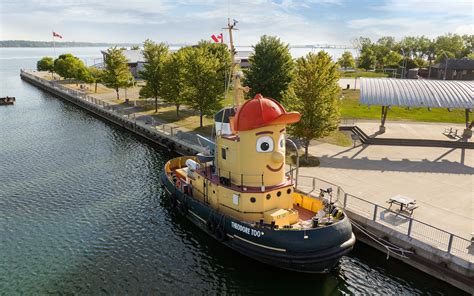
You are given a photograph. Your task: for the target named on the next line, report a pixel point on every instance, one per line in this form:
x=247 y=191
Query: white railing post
x=450 y=243
x=410 y=223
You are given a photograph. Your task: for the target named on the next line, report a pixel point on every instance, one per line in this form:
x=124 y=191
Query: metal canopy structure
x=387 y=92
x=417 y=93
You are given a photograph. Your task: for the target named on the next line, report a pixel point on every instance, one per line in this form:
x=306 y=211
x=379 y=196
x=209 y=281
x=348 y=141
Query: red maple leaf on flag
x=218 y=38
x=57 y=35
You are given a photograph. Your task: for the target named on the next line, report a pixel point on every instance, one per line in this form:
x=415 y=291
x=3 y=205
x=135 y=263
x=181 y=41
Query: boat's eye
x=265 y=144
x=281 y=142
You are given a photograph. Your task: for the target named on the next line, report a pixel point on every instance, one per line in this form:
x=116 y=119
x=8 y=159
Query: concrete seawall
x=451 y=269
x=156 y=136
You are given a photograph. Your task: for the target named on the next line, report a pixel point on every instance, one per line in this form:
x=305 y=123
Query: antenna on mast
x=238 y=89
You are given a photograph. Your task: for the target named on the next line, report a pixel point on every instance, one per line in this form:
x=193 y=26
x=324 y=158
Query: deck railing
x=410 y=227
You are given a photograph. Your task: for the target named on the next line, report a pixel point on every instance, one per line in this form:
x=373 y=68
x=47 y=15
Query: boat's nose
x=277 y=156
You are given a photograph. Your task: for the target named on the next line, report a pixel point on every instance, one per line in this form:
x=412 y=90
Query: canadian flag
x=57 y=35
x=218 y=38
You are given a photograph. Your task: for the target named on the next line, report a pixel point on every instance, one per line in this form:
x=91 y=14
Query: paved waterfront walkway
x=440 y=179
x=412 y=130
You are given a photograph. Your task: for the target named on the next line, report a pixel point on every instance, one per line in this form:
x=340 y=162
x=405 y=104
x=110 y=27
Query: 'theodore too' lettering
x=246 y=229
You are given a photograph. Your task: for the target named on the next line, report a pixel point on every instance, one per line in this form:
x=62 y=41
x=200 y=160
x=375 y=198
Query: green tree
x=387 y=42
x=155 y=56
x=67 y=66
x=116 y=73
x=367 y=58
x=96 y=76
x=314 y=93
x=221 y=52
x=468 y=41
x=452 y=44
x=134 y=47
x=346 y=60
x=82 y=74
x=271 y=68
x=203 y=90
x=393 y=59
x=46 y=64
x=173 y=86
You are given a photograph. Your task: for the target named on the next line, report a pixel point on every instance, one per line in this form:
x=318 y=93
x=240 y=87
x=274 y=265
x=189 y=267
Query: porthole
x=253 y=199
x=288 y=191
x=279 y=193
x=268 y=196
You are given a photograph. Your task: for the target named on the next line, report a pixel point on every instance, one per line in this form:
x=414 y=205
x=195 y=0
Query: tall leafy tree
x=346 y=60
x=271 y=68
x=68 y=66
x=155 y=56
x=393 y=59
x=96 y=76
x=46 y=64
x=314 y=93
x=367 y=58
x=203 y=90
x=116 y=74
x=173 y=86
x=451 y=44
x=468 y=41
x=221 y=52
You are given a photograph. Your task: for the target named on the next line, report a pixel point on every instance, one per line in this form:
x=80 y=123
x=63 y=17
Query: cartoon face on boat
x=260 y=123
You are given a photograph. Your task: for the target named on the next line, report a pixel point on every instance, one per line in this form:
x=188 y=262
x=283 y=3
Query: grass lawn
x=338 y=138
x=187 y=119
x=363 y=74
x=352 y=109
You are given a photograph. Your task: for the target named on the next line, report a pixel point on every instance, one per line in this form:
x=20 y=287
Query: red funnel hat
x=260 y=111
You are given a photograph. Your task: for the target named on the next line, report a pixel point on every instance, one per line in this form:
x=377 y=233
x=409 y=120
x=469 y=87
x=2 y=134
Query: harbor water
x=81 y=212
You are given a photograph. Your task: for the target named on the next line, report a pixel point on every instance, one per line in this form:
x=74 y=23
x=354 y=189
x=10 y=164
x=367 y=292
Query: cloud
x=425 y=8
x=187 y=21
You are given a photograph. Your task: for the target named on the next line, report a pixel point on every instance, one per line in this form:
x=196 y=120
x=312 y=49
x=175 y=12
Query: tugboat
x=239 y=192
x=7 y=100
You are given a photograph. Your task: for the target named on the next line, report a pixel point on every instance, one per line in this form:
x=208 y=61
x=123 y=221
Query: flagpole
x=54 y=47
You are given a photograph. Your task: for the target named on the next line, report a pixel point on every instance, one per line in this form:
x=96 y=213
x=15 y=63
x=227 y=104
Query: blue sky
x=187 y=21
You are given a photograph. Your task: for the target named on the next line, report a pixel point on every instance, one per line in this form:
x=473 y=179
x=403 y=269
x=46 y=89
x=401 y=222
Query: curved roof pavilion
x=417 y=93
x=388 y=92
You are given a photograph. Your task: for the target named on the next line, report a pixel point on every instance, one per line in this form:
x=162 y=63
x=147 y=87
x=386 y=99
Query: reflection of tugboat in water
x=239 y=192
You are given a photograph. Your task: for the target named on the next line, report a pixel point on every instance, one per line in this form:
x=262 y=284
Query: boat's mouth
x=275 y=170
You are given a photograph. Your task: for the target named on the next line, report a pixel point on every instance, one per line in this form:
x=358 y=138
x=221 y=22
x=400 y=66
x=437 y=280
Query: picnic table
x=406 y=204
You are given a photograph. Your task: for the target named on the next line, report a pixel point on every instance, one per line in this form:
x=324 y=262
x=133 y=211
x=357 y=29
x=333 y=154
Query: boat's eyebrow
x=264 y=132
x=282 y=130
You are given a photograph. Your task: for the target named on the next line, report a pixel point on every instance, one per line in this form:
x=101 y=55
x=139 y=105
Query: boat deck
x=206 y=173
x=304 y=213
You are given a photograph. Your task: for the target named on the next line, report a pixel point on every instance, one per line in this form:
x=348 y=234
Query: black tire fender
x=211 y=226
x=173 y=201
x=183 y=208
x=220 y=234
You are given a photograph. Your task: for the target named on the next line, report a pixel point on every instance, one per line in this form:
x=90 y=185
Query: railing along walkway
x=412 y=228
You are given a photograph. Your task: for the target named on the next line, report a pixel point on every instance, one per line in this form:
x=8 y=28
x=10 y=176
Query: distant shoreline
x=29 y=43
x=32 y=44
